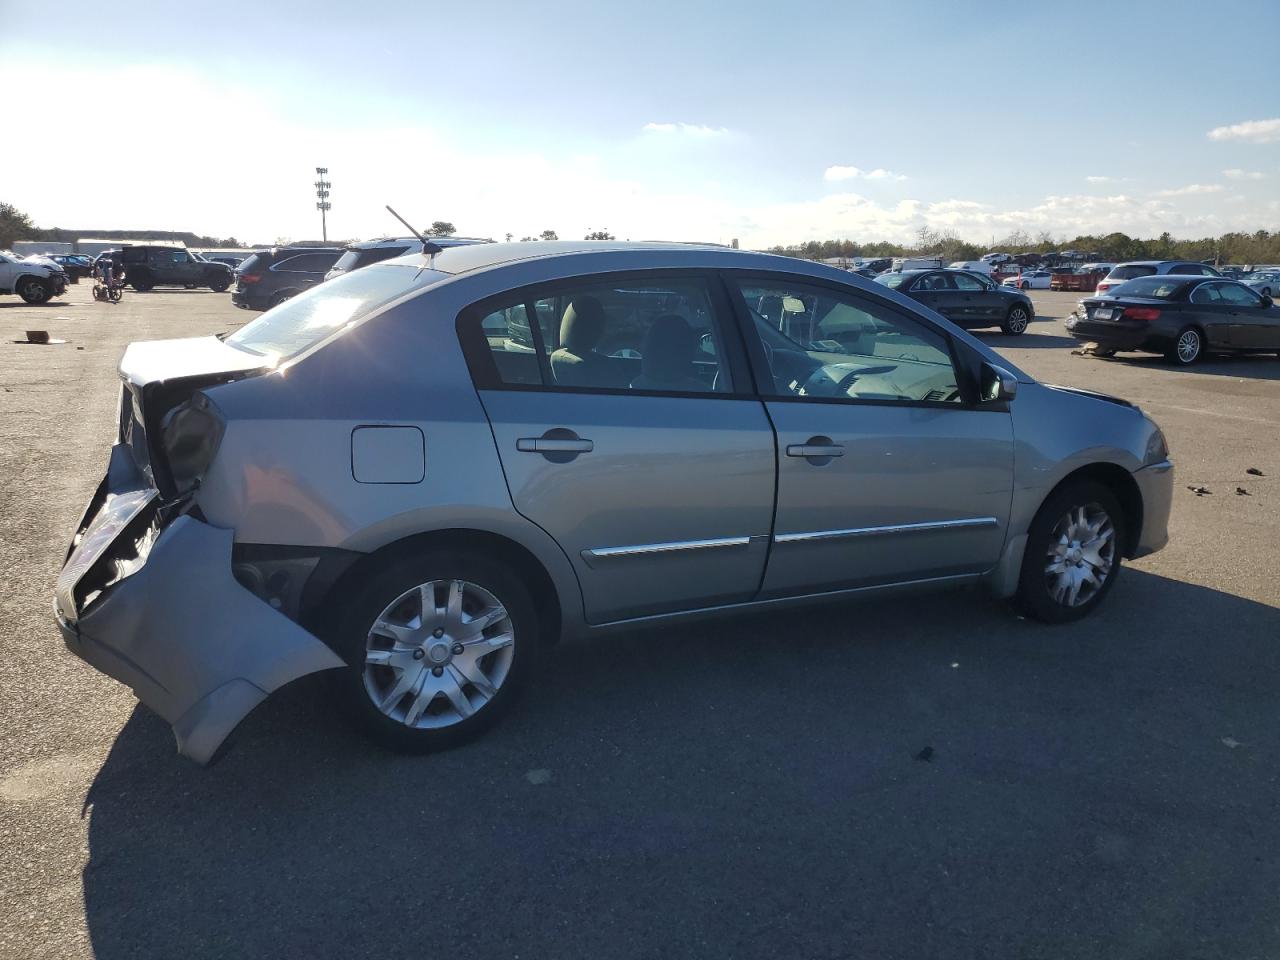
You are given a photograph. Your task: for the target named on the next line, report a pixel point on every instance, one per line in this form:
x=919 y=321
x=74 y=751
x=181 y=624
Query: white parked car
x=1265 y=282
x=983 y=267
x=35 y=280
x=1030 y=280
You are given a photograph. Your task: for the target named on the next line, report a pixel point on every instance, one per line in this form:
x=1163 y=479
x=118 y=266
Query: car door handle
x=552 y=445
x=812 y=449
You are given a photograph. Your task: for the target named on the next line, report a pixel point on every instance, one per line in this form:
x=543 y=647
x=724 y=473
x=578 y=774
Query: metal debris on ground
x=1242 y=492
x=1200 y=491
x=1255 y=472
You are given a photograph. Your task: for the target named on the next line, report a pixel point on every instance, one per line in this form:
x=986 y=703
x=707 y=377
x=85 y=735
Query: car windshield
x=1152 y=288
x=305 y=320
x=891 y=280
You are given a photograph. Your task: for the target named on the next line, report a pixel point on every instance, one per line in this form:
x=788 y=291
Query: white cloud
x=1108 y=179
x=1237 y=174
x=1255 y=131
x=837 y=173
x=1191 y=189
x=687 y=129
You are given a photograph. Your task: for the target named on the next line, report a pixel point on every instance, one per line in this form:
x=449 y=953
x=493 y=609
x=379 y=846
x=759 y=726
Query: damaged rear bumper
x=175 y=625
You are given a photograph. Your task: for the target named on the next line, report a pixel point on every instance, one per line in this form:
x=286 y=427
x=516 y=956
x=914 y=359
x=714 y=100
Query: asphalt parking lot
x=896 y=779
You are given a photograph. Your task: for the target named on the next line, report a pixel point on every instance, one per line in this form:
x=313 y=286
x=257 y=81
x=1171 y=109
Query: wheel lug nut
x=419 y=654
x=437 y=671
x=438 y=632
x=457 y=649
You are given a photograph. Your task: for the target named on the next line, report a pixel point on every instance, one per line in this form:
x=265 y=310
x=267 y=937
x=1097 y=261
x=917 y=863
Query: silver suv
x=417 y=474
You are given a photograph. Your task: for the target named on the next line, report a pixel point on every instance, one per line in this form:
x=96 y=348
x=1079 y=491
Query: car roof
x=396 y=241
x=1156 y=263
x=470 y=258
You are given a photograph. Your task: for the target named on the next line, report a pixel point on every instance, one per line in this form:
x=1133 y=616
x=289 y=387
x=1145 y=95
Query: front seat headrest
x=582 y=325
x=668 y=350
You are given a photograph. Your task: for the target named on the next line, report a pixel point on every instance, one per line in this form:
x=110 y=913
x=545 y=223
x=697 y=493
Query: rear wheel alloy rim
x=1188 y=346
x=1018 y=320
x=438 y=653
x=1081 y=553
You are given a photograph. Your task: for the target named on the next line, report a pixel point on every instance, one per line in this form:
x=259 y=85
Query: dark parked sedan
x=74 y=265
x=966 y=299
x=1182 y=317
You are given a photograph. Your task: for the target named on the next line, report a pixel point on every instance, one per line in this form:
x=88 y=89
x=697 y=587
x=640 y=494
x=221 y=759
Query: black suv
x=147 y=267
x=270 y=277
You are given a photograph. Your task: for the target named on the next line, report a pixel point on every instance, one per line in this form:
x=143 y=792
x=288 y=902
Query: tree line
x=1243 y=248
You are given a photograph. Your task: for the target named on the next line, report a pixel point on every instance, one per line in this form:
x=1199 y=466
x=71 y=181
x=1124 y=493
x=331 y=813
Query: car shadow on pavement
x=898 y=778
x=1040 y=341
x=1239 y=367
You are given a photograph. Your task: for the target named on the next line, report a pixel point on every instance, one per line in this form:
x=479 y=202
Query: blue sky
x=773 y=123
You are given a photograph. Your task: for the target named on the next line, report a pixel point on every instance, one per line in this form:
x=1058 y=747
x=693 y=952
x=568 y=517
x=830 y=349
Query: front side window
x=968 y=283
x=650 y=336
x=829 y=345
x=1238 y=296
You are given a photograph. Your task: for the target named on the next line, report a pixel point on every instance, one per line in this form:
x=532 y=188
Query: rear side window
x=1129 y=272
x=287 y=330
x=653 y=335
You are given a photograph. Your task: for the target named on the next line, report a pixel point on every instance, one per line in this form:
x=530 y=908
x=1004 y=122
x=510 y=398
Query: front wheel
x=437 y=648
x=1072 y=555
x=219 y=285
x=1015 y=324
x=1187 y=347
x=34 y=291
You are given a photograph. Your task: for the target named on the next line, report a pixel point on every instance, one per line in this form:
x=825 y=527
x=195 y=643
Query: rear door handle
x=812 y=449
x=549 y=445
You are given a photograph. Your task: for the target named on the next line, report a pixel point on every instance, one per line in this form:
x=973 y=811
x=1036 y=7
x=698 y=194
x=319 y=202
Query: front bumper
x=1155 y=483
x=246 y=301
x=196 y=647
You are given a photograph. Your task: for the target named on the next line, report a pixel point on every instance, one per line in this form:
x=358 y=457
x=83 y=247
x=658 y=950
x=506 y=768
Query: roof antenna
x=429 y=249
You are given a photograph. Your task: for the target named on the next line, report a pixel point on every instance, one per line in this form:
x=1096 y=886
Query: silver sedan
x=418 y=474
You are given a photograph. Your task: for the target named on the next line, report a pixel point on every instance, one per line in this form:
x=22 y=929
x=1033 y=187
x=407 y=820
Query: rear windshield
x=1128 y=273
x=285 y=331
x=250 y=263
x=1154 y=288
x=355 y=259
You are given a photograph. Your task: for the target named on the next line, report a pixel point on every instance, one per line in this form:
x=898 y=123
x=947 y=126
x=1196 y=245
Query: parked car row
x=34 y=279
x=268 y=278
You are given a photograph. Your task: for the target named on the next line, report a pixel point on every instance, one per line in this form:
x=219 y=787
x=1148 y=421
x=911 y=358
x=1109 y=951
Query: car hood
x=150 y=362
x=41 y=262
x=1091 y=394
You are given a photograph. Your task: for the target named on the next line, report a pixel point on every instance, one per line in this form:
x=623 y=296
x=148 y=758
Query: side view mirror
x=1266 y=302
x=998 y=384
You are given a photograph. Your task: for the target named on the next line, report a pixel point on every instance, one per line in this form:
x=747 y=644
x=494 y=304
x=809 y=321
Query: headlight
x=1157 y=448
x=190 y=434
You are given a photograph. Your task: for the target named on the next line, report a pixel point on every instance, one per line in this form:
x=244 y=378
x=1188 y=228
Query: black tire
x=142 y=282
x=379 y=588
x=1034 y=595
x=1187 y=347
x=1017 y=320
x=219 y=284
x=34 y=290
x=189 y=286
x=280 y=298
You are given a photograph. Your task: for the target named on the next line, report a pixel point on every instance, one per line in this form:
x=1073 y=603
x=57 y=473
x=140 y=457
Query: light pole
x=322 y=201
